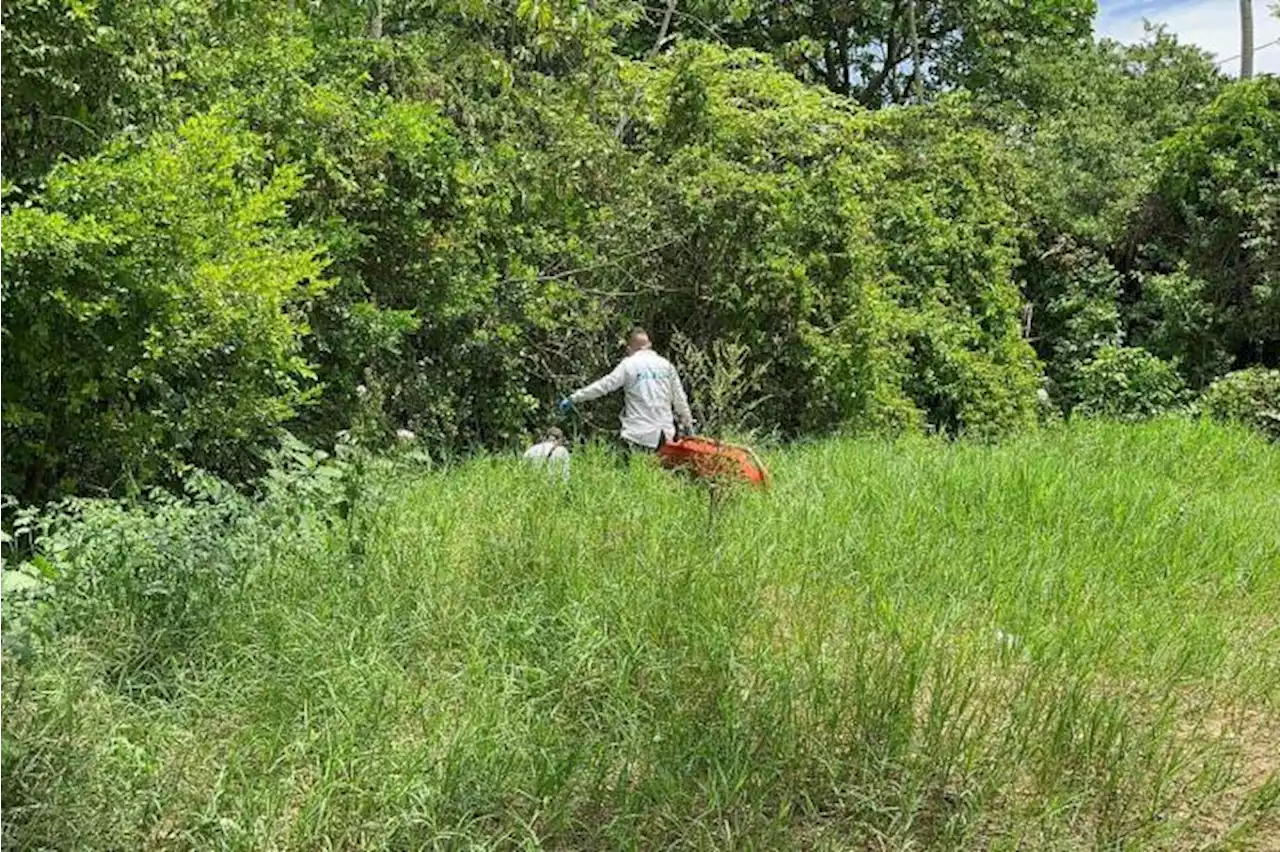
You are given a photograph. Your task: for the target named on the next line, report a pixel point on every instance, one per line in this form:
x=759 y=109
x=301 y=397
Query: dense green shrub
x=152 y=572
x=724 y=216
x=152 y=300
x=150 y=575
x=1127 y=383
x=864 y=260
x=1076 y=311
x=1249 y=396
x=1173 y=318
x=950 y=233
x=1085 y=124
x=772 y=239
x=1213 y=223
x=75 y=74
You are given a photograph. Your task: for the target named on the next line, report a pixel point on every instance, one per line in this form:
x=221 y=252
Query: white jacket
x=653 y=392
x=554 y=456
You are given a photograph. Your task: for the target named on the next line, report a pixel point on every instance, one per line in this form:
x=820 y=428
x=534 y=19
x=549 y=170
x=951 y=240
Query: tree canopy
x=222 y=219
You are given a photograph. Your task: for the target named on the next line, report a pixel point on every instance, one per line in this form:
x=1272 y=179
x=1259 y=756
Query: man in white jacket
x=653 y=395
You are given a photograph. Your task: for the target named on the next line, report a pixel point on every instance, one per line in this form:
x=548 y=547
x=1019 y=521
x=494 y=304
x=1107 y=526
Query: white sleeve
x=599 y=388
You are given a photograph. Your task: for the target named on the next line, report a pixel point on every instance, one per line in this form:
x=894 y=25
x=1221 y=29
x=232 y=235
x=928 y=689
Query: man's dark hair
x=635 y=333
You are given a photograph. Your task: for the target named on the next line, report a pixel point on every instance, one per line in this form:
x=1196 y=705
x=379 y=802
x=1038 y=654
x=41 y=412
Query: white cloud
x=1211 y=24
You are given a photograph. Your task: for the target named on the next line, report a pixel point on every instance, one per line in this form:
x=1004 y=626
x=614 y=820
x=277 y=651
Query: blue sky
x=1211 y=24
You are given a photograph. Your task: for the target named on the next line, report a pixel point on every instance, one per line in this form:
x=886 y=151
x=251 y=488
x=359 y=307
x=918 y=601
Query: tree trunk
x=842 y=45
x=871 y=88
x=662 y=30
x=621 y=128
x=375 y=20
x=917 y=89
x=1246 y=39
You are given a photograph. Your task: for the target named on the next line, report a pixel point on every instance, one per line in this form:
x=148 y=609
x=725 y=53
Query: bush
x=1075 y=304
x=150 y=575
x=1213 y=220
x=151 y=314
x=1173 y=320
x=153 y=573
x=950 y=238
x=77 y=74
x=864 y=260
x=1127 y=383
x=1249 y=396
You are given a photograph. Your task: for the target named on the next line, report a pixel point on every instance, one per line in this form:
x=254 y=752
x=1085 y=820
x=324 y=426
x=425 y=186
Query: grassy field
x=1067 y=641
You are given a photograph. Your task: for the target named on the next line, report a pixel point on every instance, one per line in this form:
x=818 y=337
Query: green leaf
x=17 y=581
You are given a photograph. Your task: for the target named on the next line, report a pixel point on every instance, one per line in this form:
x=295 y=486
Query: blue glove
x=565 y=405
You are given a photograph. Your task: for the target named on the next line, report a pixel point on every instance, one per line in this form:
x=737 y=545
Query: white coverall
x=551 y=454
x=653 y=392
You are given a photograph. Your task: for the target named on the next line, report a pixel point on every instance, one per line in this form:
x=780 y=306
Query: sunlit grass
x=1065 y=641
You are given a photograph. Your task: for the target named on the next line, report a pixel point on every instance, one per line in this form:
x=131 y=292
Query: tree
x=152 y=314
x=917 y=59
x=75 y=74
x=1086 y=124
x=1212 y=225
x=863 y=50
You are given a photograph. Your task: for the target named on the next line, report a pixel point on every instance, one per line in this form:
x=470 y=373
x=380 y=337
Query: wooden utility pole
x=1246 y=39
x=917 y=91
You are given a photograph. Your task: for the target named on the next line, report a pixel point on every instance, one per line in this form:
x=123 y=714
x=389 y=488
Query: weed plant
x=1066 y=641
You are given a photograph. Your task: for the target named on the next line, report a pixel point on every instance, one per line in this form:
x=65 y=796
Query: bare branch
x=891 y=58
x=917 y=90
x=624 y=119
x=662 y=30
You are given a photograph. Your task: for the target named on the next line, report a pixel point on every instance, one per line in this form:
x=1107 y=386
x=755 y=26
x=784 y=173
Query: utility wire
x=1271 y=43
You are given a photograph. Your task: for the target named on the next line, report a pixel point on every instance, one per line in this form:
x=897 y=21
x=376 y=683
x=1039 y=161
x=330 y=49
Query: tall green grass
x=1066 y=641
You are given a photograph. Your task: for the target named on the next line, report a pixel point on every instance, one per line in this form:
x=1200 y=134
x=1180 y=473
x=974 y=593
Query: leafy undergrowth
x=1066 y=641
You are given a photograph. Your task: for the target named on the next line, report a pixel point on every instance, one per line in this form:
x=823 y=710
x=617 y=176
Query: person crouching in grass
x=550 y=453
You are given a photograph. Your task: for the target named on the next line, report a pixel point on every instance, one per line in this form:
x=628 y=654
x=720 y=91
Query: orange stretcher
x=714 y=460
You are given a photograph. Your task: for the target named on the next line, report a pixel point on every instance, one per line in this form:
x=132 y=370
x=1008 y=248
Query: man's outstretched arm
x=600 y=387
